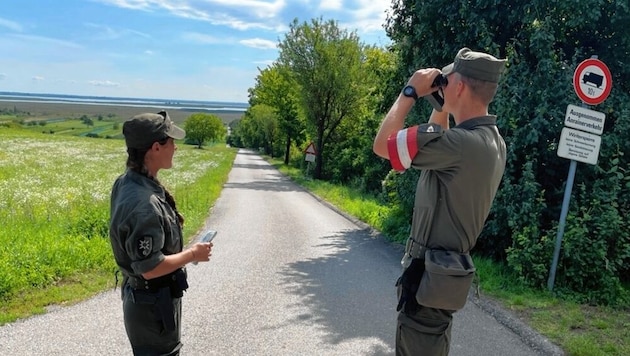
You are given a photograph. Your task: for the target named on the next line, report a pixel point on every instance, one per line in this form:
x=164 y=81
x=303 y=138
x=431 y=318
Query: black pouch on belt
x=408 y=284
x=180 y=283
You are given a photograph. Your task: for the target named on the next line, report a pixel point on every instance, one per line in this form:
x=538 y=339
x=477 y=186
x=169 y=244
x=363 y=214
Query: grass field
x=54 y=209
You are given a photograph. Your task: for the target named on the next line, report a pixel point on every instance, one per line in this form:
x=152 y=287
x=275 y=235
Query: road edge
x=529 y=336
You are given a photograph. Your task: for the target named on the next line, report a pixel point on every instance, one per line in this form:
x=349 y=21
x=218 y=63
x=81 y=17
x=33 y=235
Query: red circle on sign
x=576 y=81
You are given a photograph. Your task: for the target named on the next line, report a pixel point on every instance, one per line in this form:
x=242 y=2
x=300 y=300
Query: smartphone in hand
x=207 y=236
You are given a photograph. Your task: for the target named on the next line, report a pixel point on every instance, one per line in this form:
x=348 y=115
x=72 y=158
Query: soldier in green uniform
x=146 y=238
x=461 y=169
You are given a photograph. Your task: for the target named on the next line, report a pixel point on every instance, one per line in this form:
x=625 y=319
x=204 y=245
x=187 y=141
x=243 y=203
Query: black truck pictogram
x=593 y=78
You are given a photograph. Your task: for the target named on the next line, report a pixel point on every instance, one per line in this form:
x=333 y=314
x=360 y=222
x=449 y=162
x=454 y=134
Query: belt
x=415 y=249
x=152 y=284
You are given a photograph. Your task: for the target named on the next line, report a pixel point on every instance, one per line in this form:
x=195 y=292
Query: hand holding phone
x=208 y=236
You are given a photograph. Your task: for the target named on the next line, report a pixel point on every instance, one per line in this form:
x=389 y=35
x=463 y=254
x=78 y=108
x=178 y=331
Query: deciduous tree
x=326 y=63
x=201 y=128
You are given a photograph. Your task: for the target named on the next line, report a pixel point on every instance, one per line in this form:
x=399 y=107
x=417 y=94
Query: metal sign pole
x=563 y=218
x=592 y=82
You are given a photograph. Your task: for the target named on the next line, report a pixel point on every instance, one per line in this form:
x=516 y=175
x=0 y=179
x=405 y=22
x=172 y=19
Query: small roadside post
x=580 y=138
x=309 y=155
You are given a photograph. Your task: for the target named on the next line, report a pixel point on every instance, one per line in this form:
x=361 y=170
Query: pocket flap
x=448 y=263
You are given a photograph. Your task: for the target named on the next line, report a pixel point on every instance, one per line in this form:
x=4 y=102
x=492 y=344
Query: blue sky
x=170 y=49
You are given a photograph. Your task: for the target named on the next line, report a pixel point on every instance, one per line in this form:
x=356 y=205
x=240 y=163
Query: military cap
x=142 y=130
x=476 y=65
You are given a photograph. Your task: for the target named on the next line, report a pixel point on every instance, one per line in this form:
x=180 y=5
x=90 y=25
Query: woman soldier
x=146 y=237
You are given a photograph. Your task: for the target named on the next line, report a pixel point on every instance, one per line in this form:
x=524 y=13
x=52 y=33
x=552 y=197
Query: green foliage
x=275 y=87
x=329 y=89
x=326 y=64
x=259 y=129
x=543 y=41
x=201 y=127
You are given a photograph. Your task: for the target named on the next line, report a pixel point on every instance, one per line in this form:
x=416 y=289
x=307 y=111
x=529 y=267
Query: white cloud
x=200 y=38
x=216 y=12
x=38 y=78
x=331 y=5
x=129 y=4
x=103 y=83
x=10 y=25
x=47 y=40
x=261 y=9
x=109 y=33
x=259 y=43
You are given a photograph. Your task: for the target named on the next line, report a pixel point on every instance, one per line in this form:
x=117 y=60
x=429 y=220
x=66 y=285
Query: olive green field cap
x=142 y=130
x=476 y=65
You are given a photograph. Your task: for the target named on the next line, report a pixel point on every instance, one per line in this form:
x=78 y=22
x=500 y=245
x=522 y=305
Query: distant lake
x=117 y=101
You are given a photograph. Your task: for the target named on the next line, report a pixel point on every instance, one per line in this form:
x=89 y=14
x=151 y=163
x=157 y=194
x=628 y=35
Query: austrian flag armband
x=404 y=145
x=402 y=148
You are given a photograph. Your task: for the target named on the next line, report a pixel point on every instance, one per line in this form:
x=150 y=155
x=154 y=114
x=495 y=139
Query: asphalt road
x=289 y=275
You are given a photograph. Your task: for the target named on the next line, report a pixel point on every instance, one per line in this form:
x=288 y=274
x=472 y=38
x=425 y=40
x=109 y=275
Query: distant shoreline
x=55 y=109
x=37 y=97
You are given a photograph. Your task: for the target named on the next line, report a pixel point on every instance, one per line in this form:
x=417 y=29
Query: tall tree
x=274 y=87
x=325 y=62
x=259 y=129
x=350 y=158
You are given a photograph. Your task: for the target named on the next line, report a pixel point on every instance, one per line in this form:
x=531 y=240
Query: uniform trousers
x=145 y=325
x=423 y=331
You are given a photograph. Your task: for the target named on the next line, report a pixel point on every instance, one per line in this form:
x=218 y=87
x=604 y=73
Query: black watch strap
x=410 y=91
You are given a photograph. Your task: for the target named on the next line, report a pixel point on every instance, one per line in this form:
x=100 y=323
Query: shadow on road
x=253 y=166
x=326 y=284
x=265 y=185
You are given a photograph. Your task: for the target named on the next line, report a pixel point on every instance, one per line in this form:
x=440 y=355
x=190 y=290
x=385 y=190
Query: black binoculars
x=435 y=99
x=440 y=81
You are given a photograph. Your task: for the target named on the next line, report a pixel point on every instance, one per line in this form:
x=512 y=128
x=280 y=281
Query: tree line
x=329 y=88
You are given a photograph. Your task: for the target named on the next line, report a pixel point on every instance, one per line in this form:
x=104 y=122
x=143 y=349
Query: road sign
x=592 y=81
x=584 y=119
x=310 y=149
x=310 y=153
x=579 y=146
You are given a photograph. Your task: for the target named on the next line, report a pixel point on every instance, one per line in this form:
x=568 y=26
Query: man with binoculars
x=461 y=169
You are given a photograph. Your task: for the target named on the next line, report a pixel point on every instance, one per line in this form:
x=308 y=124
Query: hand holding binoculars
x=435 y=99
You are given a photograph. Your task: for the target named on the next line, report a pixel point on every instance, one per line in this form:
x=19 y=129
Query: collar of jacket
x=145 y=182
x=478 y=121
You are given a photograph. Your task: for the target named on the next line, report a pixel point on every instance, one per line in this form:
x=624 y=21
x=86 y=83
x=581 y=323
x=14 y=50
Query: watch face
x=410 y=92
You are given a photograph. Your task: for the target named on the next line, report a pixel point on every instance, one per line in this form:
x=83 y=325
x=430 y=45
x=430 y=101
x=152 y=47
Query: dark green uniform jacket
x=461 y=171
x=143 y=227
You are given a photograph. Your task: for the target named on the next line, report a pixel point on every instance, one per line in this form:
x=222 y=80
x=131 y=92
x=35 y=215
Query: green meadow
x=54 y=210
x=76 y=127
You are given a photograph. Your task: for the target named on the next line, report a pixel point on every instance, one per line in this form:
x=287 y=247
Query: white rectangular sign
x=579 y=146
x=584 y=119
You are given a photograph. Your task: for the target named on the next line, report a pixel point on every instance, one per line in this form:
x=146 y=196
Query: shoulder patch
x=429 y=128
x=145 y=245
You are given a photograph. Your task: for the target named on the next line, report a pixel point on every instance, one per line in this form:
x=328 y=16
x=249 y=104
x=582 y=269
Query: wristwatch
x=410 y=92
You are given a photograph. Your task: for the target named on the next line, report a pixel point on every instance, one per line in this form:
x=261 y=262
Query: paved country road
x=289 y=275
